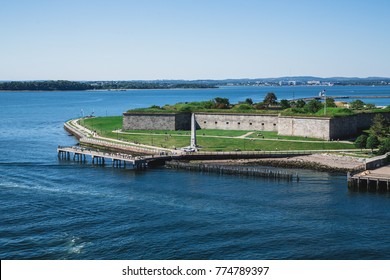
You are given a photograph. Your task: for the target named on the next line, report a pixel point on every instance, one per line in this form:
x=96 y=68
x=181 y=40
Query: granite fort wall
x=304 y=126
x=323 y=128
x=345 y=127
x=237 y=121
x=364 y=121
x=326 y=128
x=151 y=121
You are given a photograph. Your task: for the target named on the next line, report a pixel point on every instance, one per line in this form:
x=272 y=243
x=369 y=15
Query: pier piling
x=239 y=170
x=118 y=160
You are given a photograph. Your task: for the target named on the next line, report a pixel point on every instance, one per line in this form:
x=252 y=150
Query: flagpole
x=322 y=94
x=325 y=102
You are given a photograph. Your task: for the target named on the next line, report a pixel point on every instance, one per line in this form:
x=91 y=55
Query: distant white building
x=313 y=83
x=287 y=83
x=292 y=83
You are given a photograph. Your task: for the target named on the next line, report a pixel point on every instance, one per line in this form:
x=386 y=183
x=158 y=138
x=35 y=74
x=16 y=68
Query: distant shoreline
x=123 y=85
x=207 y=87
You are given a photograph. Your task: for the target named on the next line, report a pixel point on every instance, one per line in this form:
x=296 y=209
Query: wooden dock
x=80 y=154
x=371 y=180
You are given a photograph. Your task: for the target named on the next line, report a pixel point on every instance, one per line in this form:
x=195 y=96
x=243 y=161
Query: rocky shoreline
x=319 y=162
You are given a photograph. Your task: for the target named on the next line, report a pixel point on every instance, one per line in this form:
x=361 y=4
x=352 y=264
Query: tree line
x=100 y=85
x=378 y=136
x=44 y=85
x=327 y=107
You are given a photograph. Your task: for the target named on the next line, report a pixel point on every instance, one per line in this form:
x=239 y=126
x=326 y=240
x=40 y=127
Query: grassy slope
x=162 y=138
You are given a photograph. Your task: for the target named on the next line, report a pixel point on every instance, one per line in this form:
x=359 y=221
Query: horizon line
x=204 y=79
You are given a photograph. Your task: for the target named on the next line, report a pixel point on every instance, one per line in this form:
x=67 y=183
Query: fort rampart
x=314 y=127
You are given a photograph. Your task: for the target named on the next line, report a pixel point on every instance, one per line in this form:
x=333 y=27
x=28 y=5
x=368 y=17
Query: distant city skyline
x=190 y=40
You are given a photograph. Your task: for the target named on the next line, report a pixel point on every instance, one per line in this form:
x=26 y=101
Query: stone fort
x=315 y=127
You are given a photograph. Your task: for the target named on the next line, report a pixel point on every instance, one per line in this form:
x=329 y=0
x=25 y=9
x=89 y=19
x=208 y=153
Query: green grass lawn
x=199 y=132
x=105 y=126
x=274 y=135
x=223 y=144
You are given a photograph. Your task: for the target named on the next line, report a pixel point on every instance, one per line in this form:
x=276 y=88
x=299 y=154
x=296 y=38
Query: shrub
x=284 y=103
x=313 y=106
x=243 y=107
x=260 y=106
x=361 y=141
x=300 y=103
x=357 y=105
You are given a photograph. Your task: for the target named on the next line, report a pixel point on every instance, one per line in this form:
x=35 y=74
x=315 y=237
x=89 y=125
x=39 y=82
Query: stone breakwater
x=302 y=165
x=320 y=162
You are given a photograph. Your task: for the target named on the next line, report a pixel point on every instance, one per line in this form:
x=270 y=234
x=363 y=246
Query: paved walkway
x=87 y=132
x=245 y=135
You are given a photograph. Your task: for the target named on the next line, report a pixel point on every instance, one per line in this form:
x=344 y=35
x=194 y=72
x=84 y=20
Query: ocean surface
x=52 y=209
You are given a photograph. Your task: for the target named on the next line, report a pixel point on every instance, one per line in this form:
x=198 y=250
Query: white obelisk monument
x=193 y=132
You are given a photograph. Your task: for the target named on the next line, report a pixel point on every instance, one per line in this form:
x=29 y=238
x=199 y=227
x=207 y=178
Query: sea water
x=53 y=209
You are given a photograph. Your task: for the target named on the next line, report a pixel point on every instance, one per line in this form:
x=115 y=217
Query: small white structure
x=193 y=133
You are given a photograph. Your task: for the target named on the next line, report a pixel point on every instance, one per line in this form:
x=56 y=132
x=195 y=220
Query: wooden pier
x=371 y=180
x=80 y=154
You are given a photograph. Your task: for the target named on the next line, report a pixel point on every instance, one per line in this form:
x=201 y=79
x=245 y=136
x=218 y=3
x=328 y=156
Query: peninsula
x=237 y=131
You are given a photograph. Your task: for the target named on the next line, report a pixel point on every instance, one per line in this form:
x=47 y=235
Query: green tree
x=313 y=106
x=300 y=103
x=361 y=141
x=357 y=105
x=330 y=103
x=285 y=103
x=370 y=106
x=249 y=101
x=384 y=147
x=372 y=142
x=221 y=103
x=270 y=99
x=380 y=126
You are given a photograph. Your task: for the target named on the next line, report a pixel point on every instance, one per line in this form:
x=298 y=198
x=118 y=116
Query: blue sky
x=129 y=40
